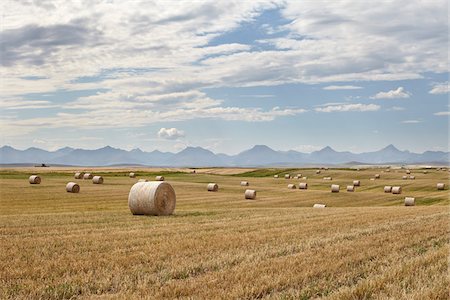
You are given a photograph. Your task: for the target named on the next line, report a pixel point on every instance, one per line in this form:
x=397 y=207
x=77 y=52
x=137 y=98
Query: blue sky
x=225 y=75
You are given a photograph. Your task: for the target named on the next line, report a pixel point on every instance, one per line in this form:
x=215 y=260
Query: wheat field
x=217 y=245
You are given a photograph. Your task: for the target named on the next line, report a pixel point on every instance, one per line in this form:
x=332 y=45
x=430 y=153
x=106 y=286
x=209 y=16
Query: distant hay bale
x=412 y=177
x=143 y=180
x=159 y=178
x=295 y=177
x=425 y=172
x=372 y=179
x=97 y=179
x=327 y=178
x=287 y=176
x=34 y=179
x=388 y=170
x=408 y=172
x=440 y=186
x=356 y=183
x=396 y=190
x=72 y=187
x=155 y=198
x=303 y=186
x=326 y=168
x=317 y=171
x=250 y=194
x=388 y=189
x=275 y=176
x=244 y=183
x=132 y=175
x=377 y=176
x=410 y=201
x=79 y=175
x=404 y=177
x=299 y=175
x=350 y=188
x=335 y=188
x=291 y=186
x=317 y=205
x=87 y=176
x=304 y=177
x=212 y=187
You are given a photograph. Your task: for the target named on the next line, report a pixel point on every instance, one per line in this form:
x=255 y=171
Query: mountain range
x=259 y=155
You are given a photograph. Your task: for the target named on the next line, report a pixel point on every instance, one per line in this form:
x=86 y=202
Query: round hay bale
x=335 y=188
x=350 y=188
x=250 y=194
x=388 y=189
x=388 y=170
x=132 y=175
x=275 y=176
x=299 y=175
x=356 y=183
x=159 y=178
x=410 y=201
x=143 y=180
x=425 y=172
x=317 y=171
x=377 y=176
x=212 y=187
x=292 y=186
x=408 y=172
x=317 y=205
x=34 y=179
x=287 y=176
x=72 y=187
x=404 y=177
x=244 y=183
x=396 y=190
x=295 y=177
x=412 y=177
x=304 y=177
x=327 y=178
x=79 y=175
x=155 y=198
x=87 y=176
x=440 y=186
x=97 y=179
x=303 y=186
x=372 y=179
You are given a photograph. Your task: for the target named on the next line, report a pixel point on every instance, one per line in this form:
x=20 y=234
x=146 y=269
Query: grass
x=364 y=245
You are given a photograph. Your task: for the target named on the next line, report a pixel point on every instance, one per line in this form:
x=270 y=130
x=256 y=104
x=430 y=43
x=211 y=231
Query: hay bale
x=377 y=176
x=356 y=183
x=212 y=187
x=155 y=198
x=275 y=176
x=396 y=190
x=372 y=179
x=350 y=188
x=295 y=177
x=317 y=171
x=72 y=187
x=327 y=178
x=34 y=179
x=132 y=175
x=425 y=172
x=244 y=183
x=299 y=175
x=408 y=172
x=97 y=179
x=335 y=188
x=410 y=201
x=287 y=176
x=79 y=175
x=404 y=177
x=412 y=177
x=388 y=170
x=317 y=205
x=87 y=176
x=440 y=186
x=304 y=177
x=250 y=194
x=292 y=186
x=159 y=178
x=143 y=180
x=303 y=186
x=388 y=189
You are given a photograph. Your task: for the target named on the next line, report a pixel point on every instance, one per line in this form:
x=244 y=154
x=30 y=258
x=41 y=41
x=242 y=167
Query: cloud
x=341 y=87
x=442 y=113
x=396 y=108
x=440 y=88
x=170 y=133
x=348 y=107
x=411 y=121
x=307 y=148
x=392 y=94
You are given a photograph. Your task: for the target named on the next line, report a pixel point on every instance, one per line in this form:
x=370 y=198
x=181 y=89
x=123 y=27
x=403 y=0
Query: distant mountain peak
x=390 y=148
x=327 y=149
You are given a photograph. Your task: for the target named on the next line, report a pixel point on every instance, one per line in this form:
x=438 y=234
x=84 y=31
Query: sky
x=225 y=75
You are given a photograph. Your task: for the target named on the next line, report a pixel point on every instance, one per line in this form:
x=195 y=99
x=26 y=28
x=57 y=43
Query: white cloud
x=392 y=94
x=442 y=113
x=411 y=121
x=170 y=133
x=342 y=87
x=440 y=88
x=307 y=148
x=348 y=107
x=396 y=108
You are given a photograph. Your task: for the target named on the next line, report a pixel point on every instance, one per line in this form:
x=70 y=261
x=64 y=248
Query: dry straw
x=388 y=189
x=291 y=186
x=356 y=182
x=396 y=190
x=410 y=201
x=250 y=194
x=335 y=188
x=34 y=179
x=244 y=183
x=440 y=186
x=317 y=205
x=303 y=186
x=87 y=176
x=152 y=198
x=159 y=178
x=72 y=187
x=97 y=180
x=212 y=187
x=79 y=175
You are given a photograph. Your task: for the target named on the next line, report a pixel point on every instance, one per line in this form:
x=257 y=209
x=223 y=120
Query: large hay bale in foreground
x=356 y=182
x=34 y=179
x=132 y=175
x=388 y=189
x=79 y=175
x=317 y=205
x=350 y=188
x=244 y=183
x=97 y=179
x=72 y=187
x=250 y=194
x=87 y=176
x=212 y=187
x=303 y=186
x=335 y=188
x=440 y=186
x=155 y=198
x=410 y=201
x=396 y=190
x=159 y=178
x=292 y=186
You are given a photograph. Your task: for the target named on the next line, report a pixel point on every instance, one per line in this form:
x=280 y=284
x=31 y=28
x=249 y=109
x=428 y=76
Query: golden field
x=364 y=245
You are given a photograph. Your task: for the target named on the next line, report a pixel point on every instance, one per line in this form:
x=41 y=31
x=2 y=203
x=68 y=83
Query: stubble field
x=364 y=245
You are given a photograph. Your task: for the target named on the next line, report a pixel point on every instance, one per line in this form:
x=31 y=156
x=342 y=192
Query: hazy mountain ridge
x=259 y=155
